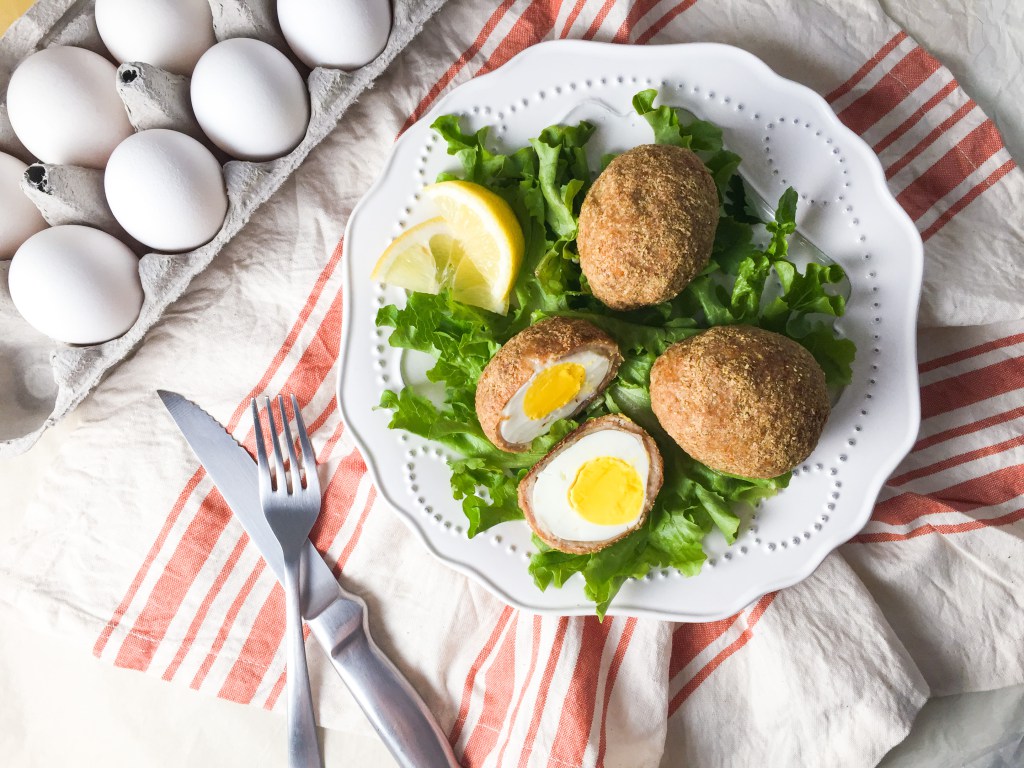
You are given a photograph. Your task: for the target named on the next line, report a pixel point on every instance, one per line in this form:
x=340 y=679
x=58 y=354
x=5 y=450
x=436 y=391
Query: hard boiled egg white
x=170 y=34
x=167 y=190
x=594 y=487
x=76 y=284
x=21 y=219
x=344 y=34
x=554 y=392
x=250 y=100
x=64 y=107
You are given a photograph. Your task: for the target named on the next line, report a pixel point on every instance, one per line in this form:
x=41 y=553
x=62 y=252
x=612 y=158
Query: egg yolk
x=553 y=388
x=607 y=491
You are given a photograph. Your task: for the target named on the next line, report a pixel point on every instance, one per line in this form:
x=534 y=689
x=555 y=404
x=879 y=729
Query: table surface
x=62 y=705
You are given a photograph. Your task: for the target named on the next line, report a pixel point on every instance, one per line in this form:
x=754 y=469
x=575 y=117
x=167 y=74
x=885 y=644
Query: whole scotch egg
x=741 y=400
x=647 y=226
x=547 y=372
x=595 y=487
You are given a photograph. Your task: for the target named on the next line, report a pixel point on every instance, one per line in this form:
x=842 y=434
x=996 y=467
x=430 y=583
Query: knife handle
x=389 y=702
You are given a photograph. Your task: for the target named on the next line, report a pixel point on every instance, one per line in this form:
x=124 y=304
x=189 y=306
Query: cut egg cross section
x=594 y=487
x=554 y=392
x=547 y=372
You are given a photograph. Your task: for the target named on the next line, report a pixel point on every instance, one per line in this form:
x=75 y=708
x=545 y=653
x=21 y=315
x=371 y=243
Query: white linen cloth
x=131 y=551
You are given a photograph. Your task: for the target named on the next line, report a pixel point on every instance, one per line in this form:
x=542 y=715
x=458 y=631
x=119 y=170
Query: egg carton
x=43 y=380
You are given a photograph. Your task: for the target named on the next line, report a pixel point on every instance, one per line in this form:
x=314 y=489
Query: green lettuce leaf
x=698 y=135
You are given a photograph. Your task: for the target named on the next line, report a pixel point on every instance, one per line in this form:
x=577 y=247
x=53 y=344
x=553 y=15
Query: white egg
x=170 y=34
x=63 y=105
x=21 y=219
x=520 y=424
x=250 y=100
x=551 y=501
x=76 y=284
x=343 y=34
x=166 y=189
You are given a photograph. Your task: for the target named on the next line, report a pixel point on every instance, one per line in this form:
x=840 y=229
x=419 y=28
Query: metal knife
x=336 y=618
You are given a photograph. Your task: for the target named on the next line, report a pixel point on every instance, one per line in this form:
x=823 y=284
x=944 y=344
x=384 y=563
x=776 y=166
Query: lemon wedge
x=419 y=259
x=474 y=248
x=489 y=243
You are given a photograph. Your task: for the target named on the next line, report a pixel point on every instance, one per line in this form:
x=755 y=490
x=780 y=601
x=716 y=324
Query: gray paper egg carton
x=29 y=362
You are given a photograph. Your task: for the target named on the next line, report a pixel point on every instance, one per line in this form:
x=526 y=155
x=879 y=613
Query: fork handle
x=303 y=750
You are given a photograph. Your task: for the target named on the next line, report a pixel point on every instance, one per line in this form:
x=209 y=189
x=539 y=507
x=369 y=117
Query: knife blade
x=336 y=618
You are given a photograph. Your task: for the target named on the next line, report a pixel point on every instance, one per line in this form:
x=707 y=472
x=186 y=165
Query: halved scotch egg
x=595 y=487
x=547 y=372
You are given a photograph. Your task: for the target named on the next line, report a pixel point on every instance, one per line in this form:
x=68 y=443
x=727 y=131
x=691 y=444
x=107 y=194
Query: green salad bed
x=749 y=280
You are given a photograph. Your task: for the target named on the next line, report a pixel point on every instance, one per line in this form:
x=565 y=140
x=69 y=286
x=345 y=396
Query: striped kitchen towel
x=154 y=574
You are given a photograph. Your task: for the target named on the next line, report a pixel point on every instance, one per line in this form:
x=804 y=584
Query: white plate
x=786 y=135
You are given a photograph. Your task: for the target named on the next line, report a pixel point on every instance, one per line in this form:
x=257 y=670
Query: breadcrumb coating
x=647 y=226
x=741 y=399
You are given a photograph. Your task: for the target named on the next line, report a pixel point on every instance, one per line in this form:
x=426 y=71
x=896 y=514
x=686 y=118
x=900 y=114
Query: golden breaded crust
x=741 y=399
x=655 y=476
x=523 y=354
x=647 y=226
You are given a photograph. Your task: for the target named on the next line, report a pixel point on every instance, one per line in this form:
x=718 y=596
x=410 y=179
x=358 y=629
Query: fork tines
x=300 y=474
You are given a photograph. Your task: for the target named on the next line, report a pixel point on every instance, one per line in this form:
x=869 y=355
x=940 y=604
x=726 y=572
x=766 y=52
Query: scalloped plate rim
x=737 y=601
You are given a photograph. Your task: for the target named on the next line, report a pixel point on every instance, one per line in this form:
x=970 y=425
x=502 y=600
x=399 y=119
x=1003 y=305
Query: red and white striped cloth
x=148 y=568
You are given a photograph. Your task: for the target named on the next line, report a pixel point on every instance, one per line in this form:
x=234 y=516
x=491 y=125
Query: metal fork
x=291 y=508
